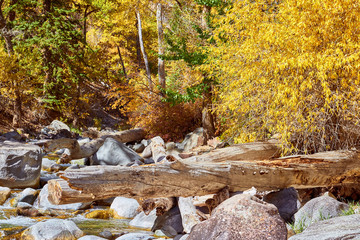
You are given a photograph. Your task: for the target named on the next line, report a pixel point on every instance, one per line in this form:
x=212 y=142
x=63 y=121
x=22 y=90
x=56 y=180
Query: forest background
x=244 y=70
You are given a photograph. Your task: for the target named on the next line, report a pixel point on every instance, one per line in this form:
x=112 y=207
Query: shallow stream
x=12 y=224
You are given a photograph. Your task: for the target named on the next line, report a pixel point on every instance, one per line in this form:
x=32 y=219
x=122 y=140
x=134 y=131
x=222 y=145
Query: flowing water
x=11 y=224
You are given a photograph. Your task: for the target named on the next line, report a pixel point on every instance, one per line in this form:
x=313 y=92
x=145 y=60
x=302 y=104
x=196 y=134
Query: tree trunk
x=144 y=52
x=234 y=167
x=204 y=17
x=76 y=119
x=122 y=64
x=18 y=113
x=161 y=64
x=84 y=27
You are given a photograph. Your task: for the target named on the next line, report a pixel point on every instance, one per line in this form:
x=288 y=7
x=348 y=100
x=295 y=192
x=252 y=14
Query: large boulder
x=20 y=165
x=124 y=207
x=53 y=229
x=344 y=227
x=42 y=202
x=287 y=202
x=241 y=217
x=113 y=152
x=317 y=209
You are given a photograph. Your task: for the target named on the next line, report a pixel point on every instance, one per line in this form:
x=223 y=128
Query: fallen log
x=85 y=150
x=207 y=174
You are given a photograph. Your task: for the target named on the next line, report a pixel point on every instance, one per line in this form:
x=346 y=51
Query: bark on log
x=162 y=205
x=85 y=150
x=208 y=173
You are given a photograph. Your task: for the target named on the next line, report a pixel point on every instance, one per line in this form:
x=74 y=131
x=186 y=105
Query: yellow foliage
x=290 y=68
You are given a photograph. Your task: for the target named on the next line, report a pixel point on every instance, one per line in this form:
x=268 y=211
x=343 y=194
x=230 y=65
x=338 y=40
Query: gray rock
x=149 y=160
x=159 y=234
x=53 y=229
x=143 y=221
x=4 y=194
x=124 y=207
x=147 y=152
x=344 y=227
x=12 y=136
x=146 y=142
x=241 y=217
x=135 y=236
x=113 y=152
x=47 y=164
x=45 y=177
x=317 y=209
x=83 y=141
x=195 y=139
x=139 y=148
x=28 y=195
x=23 y=205
x=60 y=151
x=107 y=234
x=57 y=125
x=43 y=203
x=170 y=146
x=188 y=213
x=91 y=237
x=20 y=165
x=286 y=201
x=169 y=223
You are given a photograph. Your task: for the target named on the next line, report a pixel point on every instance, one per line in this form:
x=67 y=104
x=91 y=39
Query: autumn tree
x=290 y=68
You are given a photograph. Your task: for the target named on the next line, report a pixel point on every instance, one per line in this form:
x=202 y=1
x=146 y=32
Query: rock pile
x=241 y=215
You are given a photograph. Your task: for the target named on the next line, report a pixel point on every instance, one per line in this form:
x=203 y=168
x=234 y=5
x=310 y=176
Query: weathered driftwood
x=209 y=173
x=218 y=198
x=189 y=215
x=85 y=150
x=158 y=149
x=162 y=205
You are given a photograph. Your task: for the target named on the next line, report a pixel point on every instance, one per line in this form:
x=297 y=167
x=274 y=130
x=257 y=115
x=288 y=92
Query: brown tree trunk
x=76 y=120
x=145 y=57
x=84 y=27
x=122 y=64
x=161 y=64
x=17 y=119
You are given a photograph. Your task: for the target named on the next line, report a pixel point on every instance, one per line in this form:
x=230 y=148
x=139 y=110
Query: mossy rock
x=99 y=214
